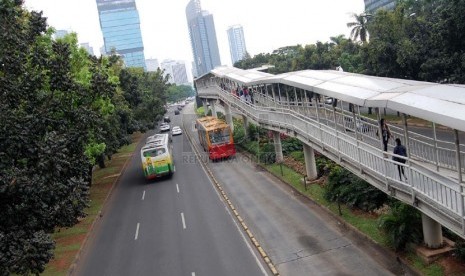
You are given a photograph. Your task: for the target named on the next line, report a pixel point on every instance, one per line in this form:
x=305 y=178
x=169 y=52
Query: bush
x=459 y=250
x=402 y=225
x=291 y=144
x=298 y=155
x=345 y=187
x=267 y=154
x=238 y=135
x=324 y=165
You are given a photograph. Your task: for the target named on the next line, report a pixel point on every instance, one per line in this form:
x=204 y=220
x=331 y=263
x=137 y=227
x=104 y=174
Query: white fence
x=358 y=149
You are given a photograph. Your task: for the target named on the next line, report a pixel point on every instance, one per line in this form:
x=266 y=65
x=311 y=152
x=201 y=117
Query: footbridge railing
x=435 y=194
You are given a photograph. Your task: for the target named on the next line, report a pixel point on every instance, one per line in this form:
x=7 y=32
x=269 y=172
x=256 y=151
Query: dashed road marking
x=177 y=188
x=137 y=231
x=143 y=195
x=183 y=221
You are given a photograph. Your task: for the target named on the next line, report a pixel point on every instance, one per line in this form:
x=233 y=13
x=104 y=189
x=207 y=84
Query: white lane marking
x=137 y=231
x=193 y=274
x=183 y=221
x=177 y=187
x=143 y=195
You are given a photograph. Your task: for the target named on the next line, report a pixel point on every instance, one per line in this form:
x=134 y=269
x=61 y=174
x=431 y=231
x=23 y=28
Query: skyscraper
x=176 y=70
x=152 y=64
x=203 y=38
x=371 y=6
x=120 y=24
x=236 y=43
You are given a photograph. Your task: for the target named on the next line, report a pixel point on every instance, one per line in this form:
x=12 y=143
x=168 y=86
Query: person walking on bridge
x=402 y=151
x=385 y=133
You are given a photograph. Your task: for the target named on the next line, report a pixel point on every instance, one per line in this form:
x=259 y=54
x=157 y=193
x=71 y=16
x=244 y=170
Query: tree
x=359 y=27
x=402 y=225
x=177 y=93
x=146 y=93
x=42 y=165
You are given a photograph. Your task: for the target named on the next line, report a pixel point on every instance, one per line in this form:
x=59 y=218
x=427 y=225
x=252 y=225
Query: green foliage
x=359 y=27
x=60 y=110
x=146 y=94
x=200 y=111
x=267 y=154
x=254 y=132
x=298 y=155
x=239 y=134
x=177 y=93
x=290 y=145
x=93 y=150
x=324 y=165
x=45 y=116
x=459 y=250
x=345 y=187
x=402 y=225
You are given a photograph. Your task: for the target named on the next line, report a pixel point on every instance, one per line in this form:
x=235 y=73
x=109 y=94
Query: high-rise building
x=371 y=6
x=120 y=24
x=203 y=38
x=176 y=70
x=236 y=43
x=152 y=64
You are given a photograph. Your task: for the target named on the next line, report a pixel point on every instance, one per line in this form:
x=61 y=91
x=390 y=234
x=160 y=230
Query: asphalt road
x=299 y=236
x=177 y=226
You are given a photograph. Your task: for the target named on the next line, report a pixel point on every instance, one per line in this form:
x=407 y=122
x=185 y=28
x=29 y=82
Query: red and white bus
x=215 y=137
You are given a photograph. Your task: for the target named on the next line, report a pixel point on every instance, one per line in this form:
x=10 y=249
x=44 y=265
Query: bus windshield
x=154 y=152
x=219 y=136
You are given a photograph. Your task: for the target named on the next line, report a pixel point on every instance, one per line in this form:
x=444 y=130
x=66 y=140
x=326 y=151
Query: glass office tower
x=203 y=38
x=236 y=43
x=120 y=24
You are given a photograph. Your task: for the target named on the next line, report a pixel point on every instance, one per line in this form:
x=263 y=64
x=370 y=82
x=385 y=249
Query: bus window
x=219 y=136
x=154 y=152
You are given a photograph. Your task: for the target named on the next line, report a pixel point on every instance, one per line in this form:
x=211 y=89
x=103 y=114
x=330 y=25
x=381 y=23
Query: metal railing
x=434 y=194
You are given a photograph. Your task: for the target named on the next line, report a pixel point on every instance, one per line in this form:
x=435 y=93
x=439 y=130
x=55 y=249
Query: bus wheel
x=170 y=173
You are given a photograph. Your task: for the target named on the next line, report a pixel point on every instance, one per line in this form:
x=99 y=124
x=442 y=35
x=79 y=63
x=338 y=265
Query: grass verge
x=68 y=241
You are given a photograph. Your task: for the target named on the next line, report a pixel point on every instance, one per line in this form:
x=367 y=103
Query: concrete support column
x=213 y=108
x=245 y=122
x=432 y=232
x=278 y=148
x=205 y=107
x=229 y=120
x=310 y=164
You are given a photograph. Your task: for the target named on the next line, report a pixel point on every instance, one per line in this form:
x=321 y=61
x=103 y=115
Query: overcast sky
x=268 y=24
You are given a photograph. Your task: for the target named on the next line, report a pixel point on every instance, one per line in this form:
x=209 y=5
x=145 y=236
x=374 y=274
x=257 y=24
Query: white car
x=164 y=127
x=176 y=131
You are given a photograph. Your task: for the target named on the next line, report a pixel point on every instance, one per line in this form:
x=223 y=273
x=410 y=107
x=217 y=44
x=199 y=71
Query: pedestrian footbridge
x=326 y=110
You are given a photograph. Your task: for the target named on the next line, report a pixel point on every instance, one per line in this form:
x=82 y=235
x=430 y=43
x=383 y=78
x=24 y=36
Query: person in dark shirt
x=385 y=133
x=402 y=151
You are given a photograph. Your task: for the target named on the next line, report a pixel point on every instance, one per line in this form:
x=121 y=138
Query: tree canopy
x=420 y=40
x=61 y=111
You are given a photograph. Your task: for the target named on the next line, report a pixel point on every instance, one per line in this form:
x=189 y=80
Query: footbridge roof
x=440 y=103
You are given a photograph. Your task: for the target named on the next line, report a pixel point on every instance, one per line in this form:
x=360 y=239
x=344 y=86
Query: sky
x=267 y=24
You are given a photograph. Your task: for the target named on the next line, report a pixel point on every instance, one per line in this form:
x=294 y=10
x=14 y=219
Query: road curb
x=218 y=186
x=73 y=266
